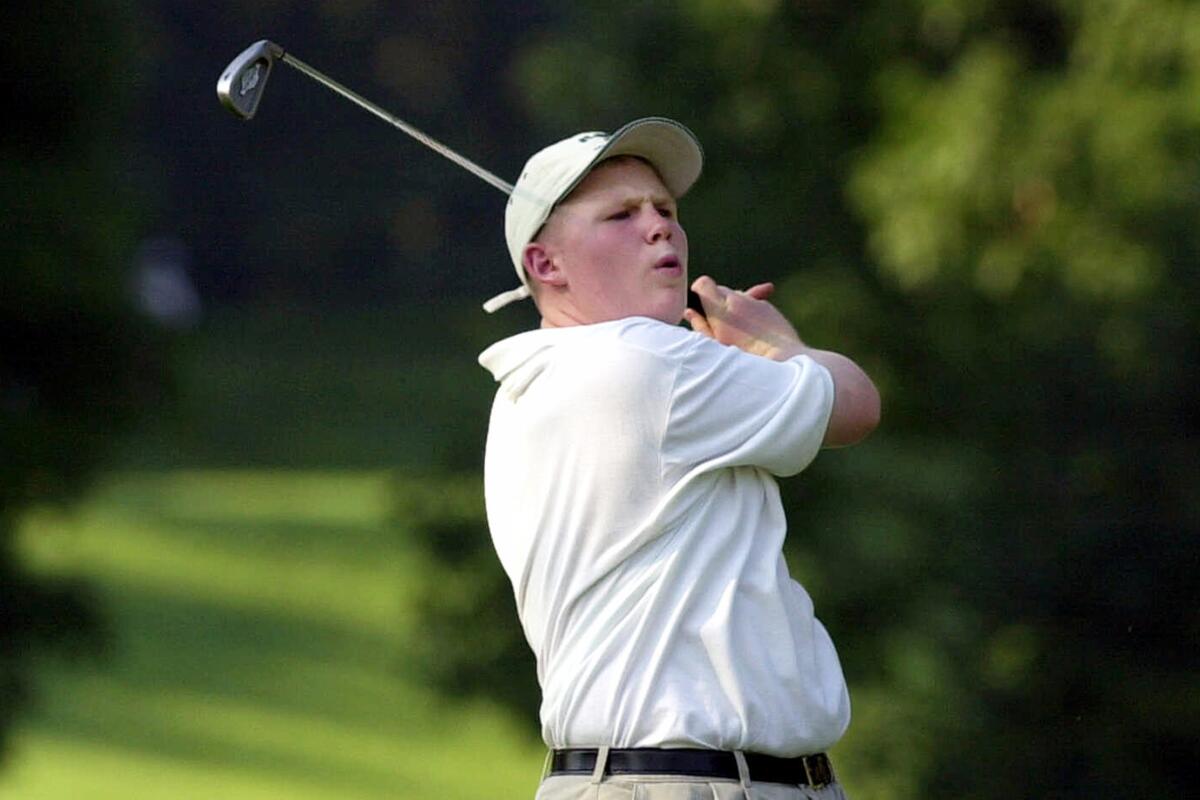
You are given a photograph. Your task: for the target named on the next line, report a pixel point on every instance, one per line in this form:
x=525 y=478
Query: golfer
x=630 y=482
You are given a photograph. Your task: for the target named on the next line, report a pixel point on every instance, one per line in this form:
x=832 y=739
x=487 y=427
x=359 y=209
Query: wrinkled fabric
x=630 y=481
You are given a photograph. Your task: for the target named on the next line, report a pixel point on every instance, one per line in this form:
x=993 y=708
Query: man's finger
x=704 y=286
x=698 y=322
x=710 y=292
x=761 y=291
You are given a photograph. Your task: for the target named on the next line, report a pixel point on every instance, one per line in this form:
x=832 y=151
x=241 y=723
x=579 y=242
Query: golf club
x=241 y=86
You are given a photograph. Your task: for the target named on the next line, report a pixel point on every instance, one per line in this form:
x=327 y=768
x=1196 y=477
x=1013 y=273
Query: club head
x=241 y=85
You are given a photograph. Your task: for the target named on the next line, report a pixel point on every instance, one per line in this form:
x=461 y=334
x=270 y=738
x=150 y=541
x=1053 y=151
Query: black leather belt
x=814 y=770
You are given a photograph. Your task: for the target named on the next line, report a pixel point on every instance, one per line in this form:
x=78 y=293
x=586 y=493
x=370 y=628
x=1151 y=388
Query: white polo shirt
x=630 y=489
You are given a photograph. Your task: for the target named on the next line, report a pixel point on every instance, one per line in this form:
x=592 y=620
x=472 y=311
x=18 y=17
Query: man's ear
x=541 y=265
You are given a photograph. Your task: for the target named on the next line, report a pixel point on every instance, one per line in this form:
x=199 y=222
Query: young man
x=630 y=481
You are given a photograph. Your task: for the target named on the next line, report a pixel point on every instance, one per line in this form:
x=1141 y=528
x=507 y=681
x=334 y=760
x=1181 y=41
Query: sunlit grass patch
x=260 y=650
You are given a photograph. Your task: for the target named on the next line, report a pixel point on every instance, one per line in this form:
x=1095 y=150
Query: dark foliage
x=77 y=364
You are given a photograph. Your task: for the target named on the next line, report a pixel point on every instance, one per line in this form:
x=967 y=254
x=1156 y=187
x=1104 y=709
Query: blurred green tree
x=78 y=364
x=993 y=204
x=1031 y=194
x=470 y=641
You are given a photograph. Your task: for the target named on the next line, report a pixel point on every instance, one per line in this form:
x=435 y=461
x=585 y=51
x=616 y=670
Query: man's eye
x=666 y=212
x=620 y=215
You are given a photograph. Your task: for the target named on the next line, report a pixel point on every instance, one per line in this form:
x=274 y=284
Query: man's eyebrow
x=636 y=199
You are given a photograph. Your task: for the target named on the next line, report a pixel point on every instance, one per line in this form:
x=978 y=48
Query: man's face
x=618 y=246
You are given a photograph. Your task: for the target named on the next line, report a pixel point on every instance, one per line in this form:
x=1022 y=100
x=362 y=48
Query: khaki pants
x=672 y=787
x=675 y=787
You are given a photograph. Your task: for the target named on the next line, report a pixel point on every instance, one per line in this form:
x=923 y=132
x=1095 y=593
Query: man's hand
x=744 y=319
x=747 y=321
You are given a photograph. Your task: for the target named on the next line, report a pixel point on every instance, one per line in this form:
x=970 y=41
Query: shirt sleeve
x=731 y=408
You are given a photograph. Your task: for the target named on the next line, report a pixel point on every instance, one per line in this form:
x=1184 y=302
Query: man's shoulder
x=627 y=350
x=623 y=345
x=624 y=355
x=644 y=333
x=630 y=334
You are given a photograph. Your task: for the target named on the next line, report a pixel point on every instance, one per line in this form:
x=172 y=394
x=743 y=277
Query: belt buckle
x=815 y=781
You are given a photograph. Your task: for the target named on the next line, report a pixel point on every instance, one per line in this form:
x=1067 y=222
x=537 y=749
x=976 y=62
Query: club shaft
x=395 y=121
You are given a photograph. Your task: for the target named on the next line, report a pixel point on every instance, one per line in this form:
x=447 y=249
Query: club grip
x=693 y=302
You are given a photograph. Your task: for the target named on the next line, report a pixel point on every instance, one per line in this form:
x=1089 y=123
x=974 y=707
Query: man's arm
x=746 y=320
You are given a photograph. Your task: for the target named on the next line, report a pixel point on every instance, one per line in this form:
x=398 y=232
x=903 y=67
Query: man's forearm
x=856 y=403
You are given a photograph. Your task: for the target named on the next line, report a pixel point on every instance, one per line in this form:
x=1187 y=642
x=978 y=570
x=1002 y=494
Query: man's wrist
x=787 y=351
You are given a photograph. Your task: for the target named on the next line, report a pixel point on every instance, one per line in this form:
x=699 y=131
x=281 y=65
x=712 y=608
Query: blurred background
x=242 y=549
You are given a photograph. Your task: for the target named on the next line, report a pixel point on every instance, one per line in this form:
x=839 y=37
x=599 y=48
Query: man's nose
x=660 y=227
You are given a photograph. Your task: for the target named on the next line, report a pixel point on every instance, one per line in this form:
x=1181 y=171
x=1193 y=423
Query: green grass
x=260 y=628
x=249 y=548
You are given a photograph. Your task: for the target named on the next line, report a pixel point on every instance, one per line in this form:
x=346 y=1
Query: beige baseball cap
x=552 y=173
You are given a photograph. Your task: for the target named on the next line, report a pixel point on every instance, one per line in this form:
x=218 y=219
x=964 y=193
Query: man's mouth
x=670 y=264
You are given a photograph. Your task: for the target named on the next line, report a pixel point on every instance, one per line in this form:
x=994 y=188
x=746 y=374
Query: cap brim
x=672 y=149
